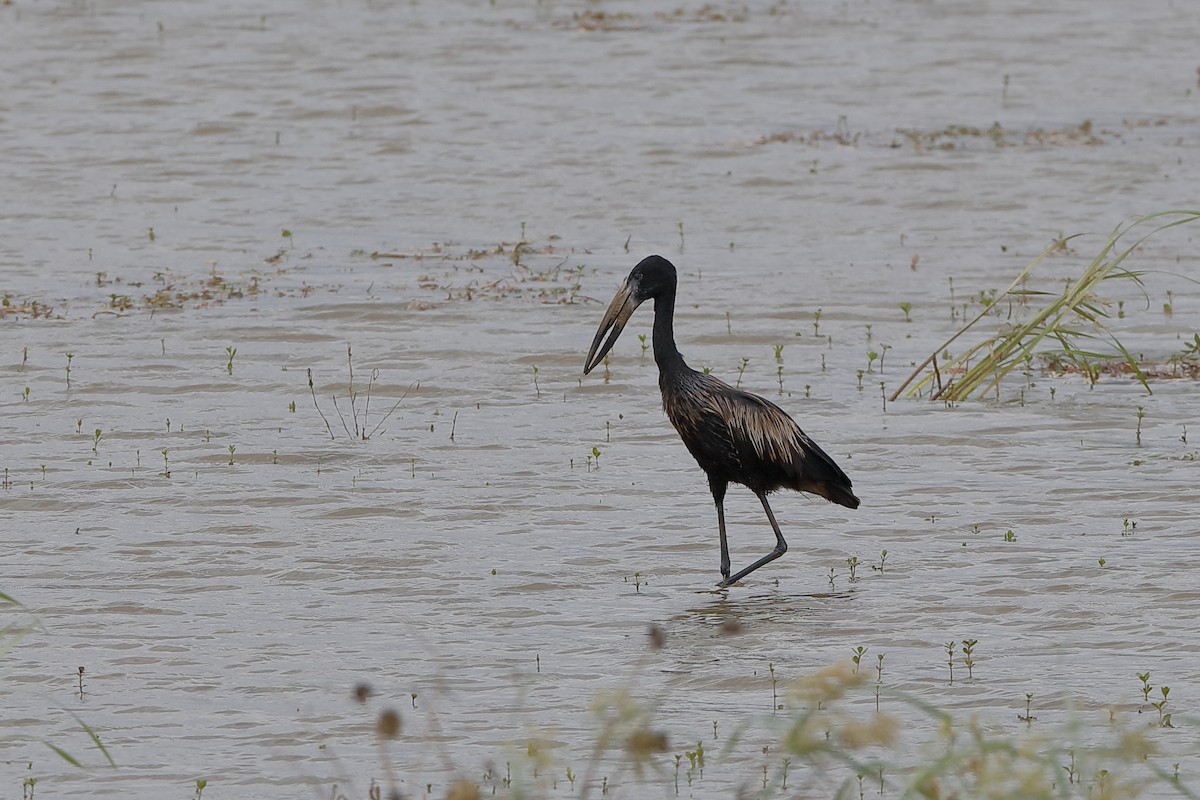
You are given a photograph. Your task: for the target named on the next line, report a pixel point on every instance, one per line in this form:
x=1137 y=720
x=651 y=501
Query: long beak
x=619 y=311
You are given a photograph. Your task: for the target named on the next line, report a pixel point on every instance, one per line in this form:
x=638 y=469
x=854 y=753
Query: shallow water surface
x=204 y=202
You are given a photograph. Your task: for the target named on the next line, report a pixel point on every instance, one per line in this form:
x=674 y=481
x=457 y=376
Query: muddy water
x=226 y=565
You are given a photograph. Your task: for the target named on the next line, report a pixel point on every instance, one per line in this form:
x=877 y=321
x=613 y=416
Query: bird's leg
x=780 y=546
x=718 y=491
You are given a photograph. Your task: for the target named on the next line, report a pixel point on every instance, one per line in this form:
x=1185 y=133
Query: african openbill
x=735 y=436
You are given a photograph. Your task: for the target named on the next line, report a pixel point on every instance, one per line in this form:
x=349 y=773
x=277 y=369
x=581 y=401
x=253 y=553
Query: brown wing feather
x=749 y=440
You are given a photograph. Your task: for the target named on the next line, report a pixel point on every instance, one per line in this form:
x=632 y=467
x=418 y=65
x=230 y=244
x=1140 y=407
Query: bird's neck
x=666 y=354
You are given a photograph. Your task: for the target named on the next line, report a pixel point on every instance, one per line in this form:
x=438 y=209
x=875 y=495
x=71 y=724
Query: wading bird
x=735 y=436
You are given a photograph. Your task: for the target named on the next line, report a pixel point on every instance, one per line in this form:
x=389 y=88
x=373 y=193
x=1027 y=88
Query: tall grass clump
x=1069 y=328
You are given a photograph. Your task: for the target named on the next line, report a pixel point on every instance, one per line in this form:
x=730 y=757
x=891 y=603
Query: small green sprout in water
x=1029 y=717
x=1101 y=562
x=232 y=448
x=1009 y=536
x=24 y=355
x=774 y=688
x=860 y=377
x=741 y=371
x=96 y=436
x=1141 y=414
x=645 y=347
x=817 y=322
x=79 y=425
x=778 y=354
x=856 y=656
x=950 y=646
x=907 y=309
x=200 y=782
x=537 y=388
x=166 y=464
x=1144 y=677
x=1129 y=527
x=968 y=648
x=852 y=562
x=286 y=234
x=292 y=407
x=1169 y=306
x=779 y=375
x=150 y=235
x=230 y=352
x=871 y=358
x=882 y=560
x=637 y=583
x=1164 y=719
x=25 y=394
x=869 y=326
x=69 y=357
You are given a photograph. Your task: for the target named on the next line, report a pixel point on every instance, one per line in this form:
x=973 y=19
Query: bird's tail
x=842 y=496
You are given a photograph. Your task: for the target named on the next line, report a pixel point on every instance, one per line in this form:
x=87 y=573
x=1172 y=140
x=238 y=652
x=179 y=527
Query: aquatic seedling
x=81 y=683
x=882 y=560
x=728 y=324
x=200 y=784
x=852 y=562
x=741 y=371
x=817 y=322
x=645 y=347
x=779 y=375
x=950 y=646
x=906 y=308
x=1009 y=536
x=871 y=357
x=292 y=407
x=287 y=234
x=150 y=235
x=1029 y=717
x=230 y=352
x=232 y=447
x=832 y=575
x=779 y=354
x=774 y=687
x=968 y=648
x=537 y=388
x=1141 y=414
x=1164 y=719
x=79 y=425
x=6 y=483
x=96 y=436
x=856 y=656
x=1144 y=677
x=860 y=377
x=25 y=394
x=166 y=464
x=69 y=357
x=1169 y=306
x=1129 y=527
x=24 y=354
x=607 y=431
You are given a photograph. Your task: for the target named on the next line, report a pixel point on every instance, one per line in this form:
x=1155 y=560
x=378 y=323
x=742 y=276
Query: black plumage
x=735 y=436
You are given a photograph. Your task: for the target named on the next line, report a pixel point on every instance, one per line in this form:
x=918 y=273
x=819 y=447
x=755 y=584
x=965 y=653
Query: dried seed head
x=463 y=790
x=388 y=724
x=731 y=627
x=361 y=692
x=658 y=637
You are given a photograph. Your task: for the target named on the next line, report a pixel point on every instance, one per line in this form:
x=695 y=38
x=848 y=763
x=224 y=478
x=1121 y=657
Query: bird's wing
x=763 y=432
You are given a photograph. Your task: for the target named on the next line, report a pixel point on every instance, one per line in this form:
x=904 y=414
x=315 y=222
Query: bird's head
x=652 y=276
